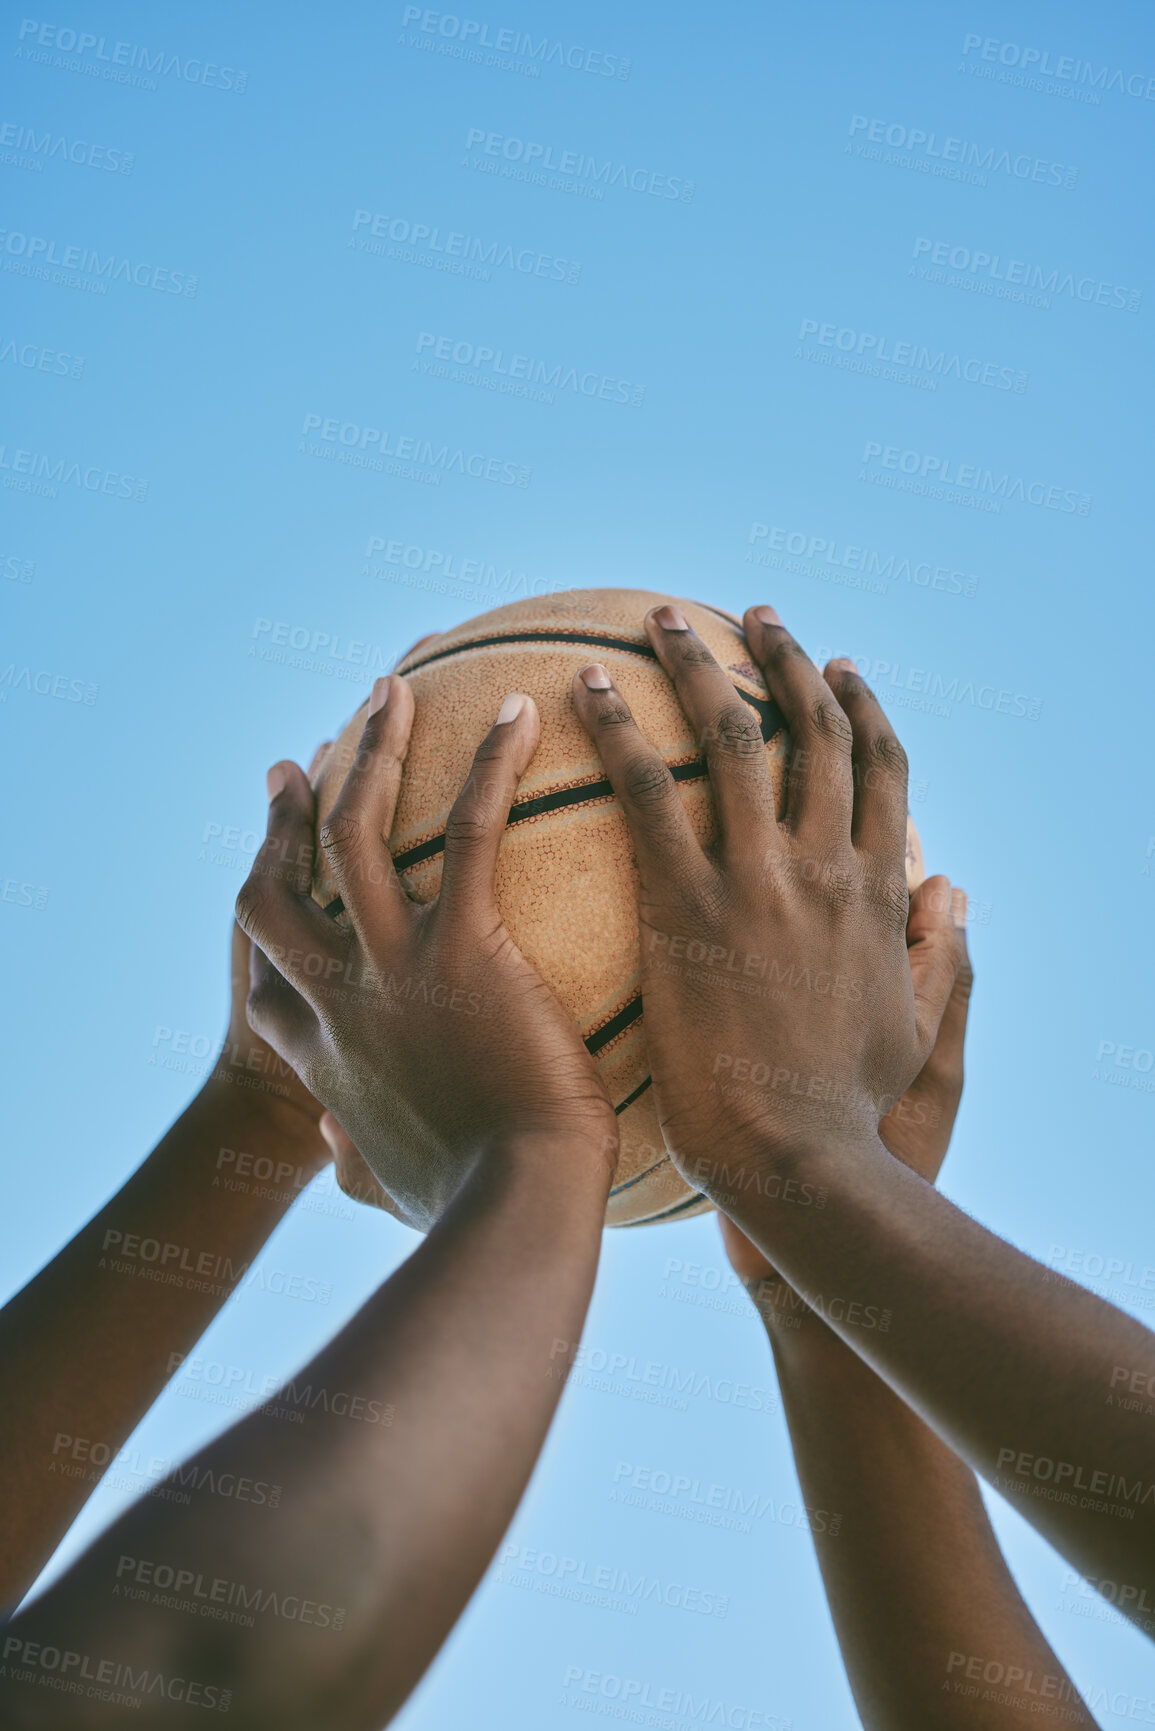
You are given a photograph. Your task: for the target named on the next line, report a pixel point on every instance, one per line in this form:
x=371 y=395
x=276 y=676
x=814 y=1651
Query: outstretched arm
x=932 y=1628
x=91 y=1341
x=399 y=1454
x=808 y=912
x=422 y=1421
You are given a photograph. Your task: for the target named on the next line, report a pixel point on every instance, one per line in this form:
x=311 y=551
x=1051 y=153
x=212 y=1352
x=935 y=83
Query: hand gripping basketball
x=422 y=1028
x=785 y=1012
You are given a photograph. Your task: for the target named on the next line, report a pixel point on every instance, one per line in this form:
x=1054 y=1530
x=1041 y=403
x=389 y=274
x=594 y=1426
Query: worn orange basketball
x=566 y=882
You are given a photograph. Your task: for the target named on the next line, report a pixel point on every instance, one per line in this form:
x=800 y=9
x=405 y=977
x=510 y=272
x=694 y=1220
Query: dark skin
x=917 y=1585
x=88 y=1348
x=398 y=1485
x=91 y=1348
x=356 y=1007
x=1008 y=1368
x=515 y=1147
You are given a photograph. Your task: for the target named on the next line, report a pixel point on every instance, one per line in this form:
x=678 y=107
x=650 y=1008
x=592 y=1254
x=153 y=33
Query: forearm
x=89 y=1343
x=922 y=1600
x=1009 y=1368
x=386 y=1520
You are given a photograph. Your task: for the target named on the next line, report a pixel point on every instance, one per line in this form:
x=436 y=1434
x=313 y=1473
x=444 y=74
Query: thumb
x=314 y=770
x=934 y=955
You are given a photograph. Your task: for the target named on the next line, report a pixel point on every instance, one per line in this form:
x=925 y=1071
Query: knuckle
x=830 y=722
x=342 y=835
x=736 y=729
x=466 y=827
x=494 y=748
x=704 y=896
x=788 y=655
x=840 y=883
x=829 y=878
x=252 y=904
x=265 y=1007
x=853 y=685
x=890 y=896
x=647 y=782
x=694 y=653
x=884 y=751
x=482 y=801
x=374 y=753
x=490 y=777
x=614 y=714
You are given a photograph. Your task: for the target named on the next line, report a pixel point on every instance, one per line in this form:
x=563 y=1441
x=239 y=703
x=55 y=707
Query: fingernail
x=275 y=781
x=379 y=696
x=958 y=906
x=765 y=615
x=595 y=678
x=671 y=619
x=510 y=708
x=845 y=663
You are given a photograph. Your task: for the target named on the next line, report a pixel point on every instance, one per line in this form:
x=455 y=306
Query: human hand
x=259 y=1081
x=784 y=1012
x=251 y=1078
x=354 y=1179
x=917 y=1129
x=422 y=1028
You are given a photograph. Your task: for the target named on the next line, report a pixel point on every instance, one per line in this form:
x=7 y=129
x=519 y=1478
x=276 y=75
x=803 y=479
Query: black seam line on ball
x=630 y=1182
x=630 y=1098
x=593 y=639
x=679 y=1208
x=541 y=803
x=610 y=1030
x=769 y=716
x=720 y=613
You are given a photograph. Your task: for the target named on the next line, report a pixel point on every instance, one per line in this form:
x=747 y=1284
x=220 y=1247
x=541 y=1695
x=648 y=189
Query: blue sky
x=880 y=313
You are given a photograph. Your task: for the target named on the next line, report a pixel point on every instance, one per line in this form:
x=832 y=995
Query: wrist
x=553 y=1181
x=556 y=1173
x=796 y=1173
x=561 y=1162
x=261 y=1113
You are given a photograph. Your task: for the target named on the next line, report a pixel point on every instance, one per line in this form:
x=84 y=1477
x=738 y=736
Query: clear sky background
x=1020 y=684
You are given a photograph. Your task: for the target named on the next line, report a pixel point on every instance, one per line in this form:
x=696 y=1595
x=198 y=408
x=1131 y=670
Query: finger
x=355 y=835
x=934 y=955
x=314 y=770
x=276 y=1011
x=945 y=1064
x=879 y=765
x=820 y=783
x=660 y=830
x=728 y=730
x=274 y=907
x=239 y=946
x=476 y=823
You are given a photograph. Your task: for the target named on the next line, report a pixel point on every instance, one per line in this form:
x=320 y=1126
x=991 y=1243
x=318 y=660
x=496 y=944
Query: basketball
x=566 y=882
